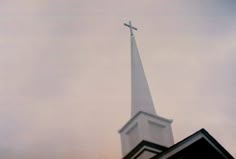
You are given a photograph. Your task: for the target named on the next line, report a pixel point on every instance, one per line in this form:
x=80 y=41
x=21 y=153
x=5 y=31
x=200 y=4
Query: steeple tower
x=145 y=127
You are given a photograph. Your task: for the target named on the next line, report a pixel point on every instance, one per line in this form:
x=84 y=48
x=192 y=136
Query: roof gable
x=199 y=145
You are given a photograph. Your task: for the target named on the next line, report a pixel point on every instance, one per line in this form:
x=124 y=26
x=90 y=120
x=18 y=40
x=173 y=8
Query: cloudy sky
x=65 y=72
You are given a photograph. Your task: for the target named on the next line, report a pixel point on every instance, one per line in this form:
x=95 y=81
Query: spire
x=141 y=99
x=144 y=124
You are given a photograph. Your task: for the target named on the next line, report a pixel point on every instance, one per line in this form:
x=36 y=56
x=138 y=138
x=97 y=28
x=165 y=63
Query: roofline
x=142 y=144
x=203 y=132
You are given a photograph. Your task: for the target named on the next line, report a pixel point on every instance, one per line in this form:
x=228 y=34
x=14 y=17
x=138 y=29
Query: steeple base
x=146 y=127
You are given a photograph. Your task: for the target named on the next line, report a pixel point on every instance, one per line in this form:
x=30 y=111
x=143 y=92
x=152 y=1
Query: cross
x=130 y=27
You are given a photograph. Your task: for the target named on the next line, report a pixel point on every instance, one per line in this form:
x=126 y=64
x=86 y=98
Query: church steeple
x=145 y=125
x=141 y=99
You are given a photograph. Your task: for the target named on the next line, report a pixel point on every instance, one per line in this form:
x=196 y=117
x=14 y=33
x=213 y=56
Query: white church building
x=148 y=135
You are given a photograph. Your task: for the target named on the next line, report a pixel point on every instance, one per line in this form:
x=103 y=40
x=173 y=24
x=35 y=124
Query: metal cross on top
x=130 y=27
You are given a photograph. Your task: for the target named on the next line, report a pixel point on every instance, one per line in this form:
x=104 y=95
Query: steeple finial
x=130 y=27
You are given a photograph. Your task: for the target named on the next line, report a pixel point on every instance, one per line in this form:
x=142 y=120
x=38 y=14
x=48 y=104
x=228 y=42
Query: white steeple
x=141 y=99
x=145 y=124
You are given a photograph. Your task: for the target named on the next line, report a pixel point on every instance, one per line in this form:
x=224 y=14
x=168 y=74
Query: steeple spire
x=141 y=100
x=145 y=125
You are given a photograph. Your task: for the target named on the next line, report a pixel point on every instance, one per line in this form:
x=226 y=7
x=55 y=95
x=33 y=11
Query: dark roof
x=198 y=145
x=135 y=151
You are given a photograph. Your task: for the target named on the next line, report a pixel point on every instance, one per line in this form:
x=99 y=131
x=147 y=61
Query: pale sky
x=65 y=72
